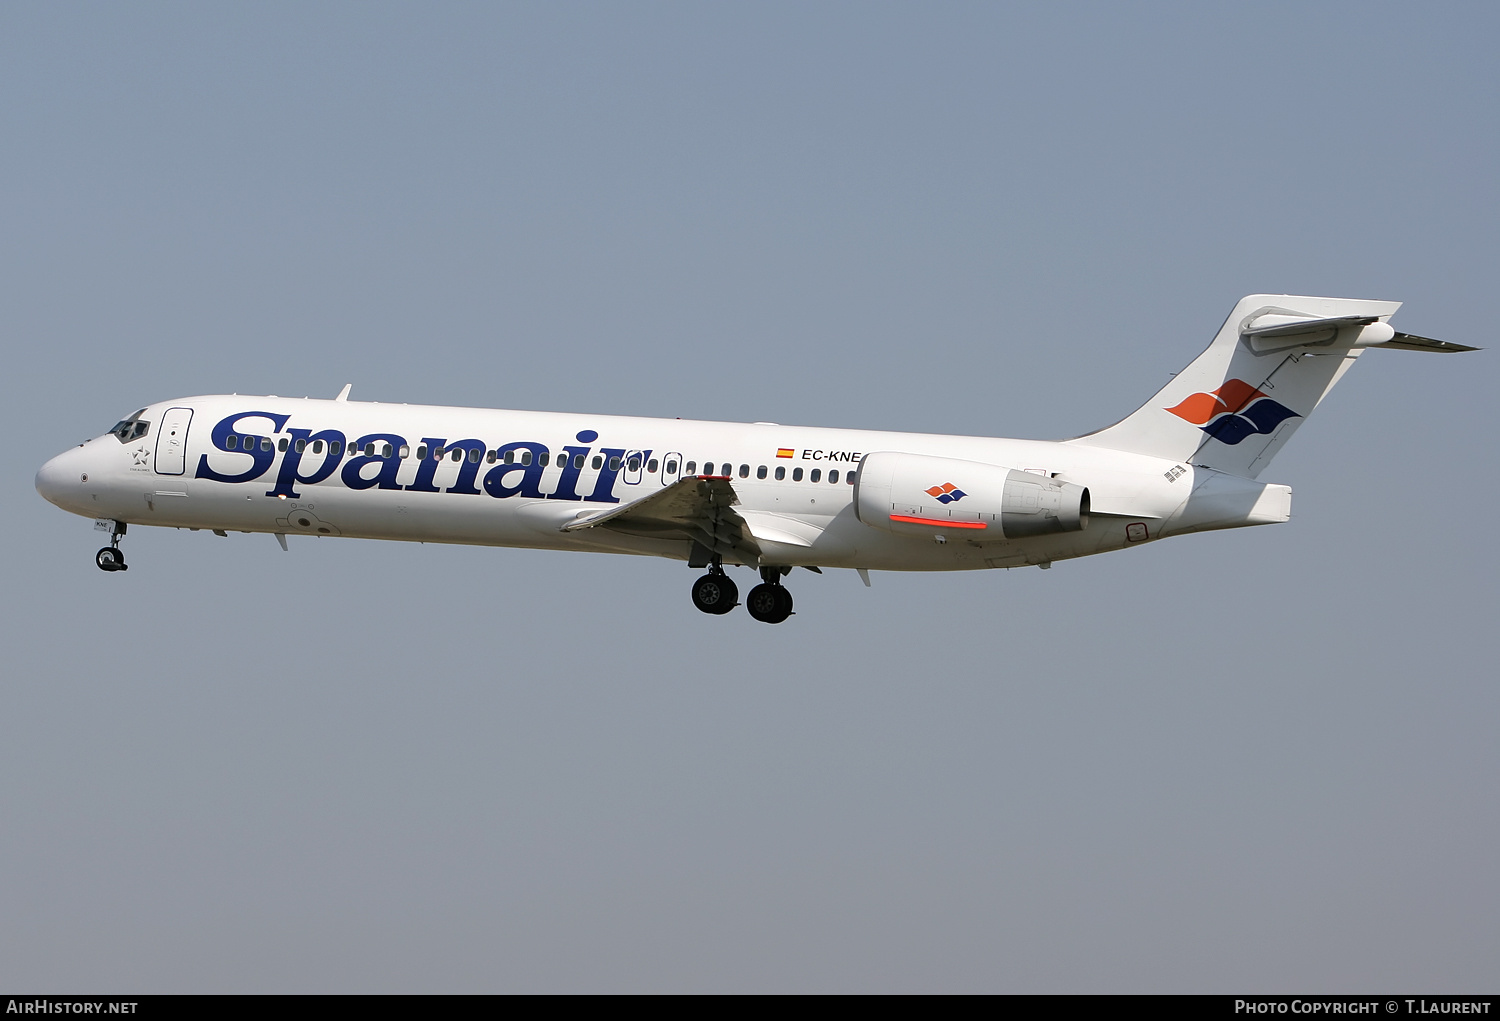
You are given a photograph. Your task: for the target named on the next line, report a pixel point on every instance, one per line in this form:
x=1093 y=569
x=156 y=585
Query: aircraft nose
x=61 y=480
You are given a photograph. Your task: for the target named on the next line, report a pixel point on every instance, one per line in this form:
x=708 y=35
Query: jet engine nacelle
x=912 y=494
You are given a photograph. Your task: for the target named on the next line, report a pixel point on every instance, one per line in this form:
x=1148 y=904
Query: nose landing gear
x=110 y=558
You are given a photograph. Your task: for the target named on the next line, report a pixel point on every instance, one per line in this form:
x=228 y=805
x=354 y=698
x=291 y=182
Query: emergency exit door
x=171 y=441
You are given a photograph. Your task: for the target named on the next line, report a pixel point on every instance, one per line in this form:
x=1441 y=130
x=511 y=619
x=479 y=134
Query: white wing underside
x=702 y=509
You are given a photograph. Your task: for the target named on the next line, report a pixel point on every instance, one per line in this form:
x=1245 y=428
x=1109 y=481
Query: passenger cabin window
x=598 y=462
x=265 y=443
x=744 y=471
x=231 y=443
x=301 y=445
x=796 y=474
x=833 y=475
x=849 y=478
x=760 y=472
x=614 y=464
x=578 y=461
x=692 y=468
x=283 y=444
x=317 y=446
x=780 y=472
x=671 y=467
x=385 y=450
x=525 y=457
x=541 y=459
x=651 y=466
x=474 y=455
x=422 y=452
x=335 y=447
x=489 y=458
x=634 y=464
x=405 y=451
x=816 y=476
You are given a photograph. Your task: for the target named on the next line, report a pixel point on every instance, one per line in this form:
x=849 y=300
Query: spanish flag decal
x=785 y=452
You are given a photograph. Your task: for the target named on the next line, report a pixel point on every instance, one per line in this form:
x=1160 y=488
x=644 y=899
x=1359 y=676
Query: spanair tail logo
x=1233 y=412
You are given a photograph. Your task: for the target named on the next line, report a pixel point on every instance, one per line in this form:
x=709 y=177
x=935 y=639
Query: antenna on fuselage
x=344 y=393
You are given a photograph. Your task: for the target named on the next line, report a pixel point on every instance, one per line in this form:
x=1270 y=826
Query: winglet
x=344 y=393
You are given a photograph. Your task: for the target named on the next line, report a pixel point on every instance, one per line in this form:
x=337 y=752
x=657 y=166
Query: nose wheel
x=110 y=558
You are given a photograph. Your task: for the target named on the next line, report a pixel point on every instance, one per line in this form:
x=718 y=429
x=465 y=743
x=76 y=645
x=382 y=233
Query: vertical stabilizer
x=1272 y=362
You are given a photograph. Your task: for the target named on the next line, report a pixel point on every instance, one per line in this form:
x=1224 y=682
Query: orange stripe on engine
x=908 y=519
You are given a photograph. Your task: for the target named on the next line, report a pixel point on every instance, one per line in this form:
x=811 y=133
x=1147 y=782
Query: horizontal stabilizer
x=1411 y=342
x=1297 y=326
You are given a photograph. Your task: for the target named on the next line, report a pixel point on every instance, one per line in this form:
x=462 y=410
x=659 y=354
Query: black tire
x=715 y=593
x=110 y=559
x=785 y=596
x=769 y=604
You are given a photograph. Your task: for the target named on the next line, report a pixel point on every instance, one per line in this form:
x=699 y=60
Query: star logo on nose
x=139 y=455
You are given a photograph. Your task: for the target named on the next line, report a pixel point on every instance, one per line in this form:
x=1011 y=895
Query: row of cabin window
x=510 y=457
x=726 y=470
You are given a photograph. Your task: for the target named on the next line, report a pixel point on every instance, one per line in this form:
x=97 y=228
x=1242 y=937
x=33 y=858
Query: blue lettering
x=567 y=485
x=291 y=461
x=531 y=480
x=469 y=466
x=427 y=466
x=389 y=466
x=604 y=487
x=261 y=459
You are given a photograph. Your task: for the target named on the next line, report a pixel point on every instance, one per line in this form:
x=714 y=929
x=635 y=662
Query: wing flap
x=699 y=508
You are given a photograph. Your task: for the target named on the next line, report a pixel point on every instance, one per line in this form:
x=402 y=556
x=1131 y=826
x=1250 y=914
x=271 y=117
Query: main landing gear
x=768 y=602
x=714 y=592
x=110 y=558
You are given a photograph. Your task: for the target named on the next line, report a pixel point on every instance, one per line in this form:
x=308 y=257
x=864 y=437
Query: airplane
x=721 y=494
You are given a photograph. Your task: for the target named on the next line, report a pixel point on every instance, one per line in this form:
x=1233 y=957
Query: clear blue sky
x=1253 y=761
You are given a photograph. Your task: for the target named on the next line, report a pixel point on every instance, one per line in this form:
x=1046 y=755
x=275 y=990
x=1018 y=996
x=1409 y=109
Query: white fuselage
x=191 y=469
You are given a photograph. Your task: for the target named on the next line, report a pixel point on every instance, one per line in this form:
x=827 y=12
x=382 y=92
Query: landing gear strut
x=110 y=558
x=769 y=602
x=714 y=592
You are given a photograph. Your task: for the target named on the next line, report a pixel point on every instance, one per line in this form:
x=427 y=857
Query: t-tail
x=1273 y=361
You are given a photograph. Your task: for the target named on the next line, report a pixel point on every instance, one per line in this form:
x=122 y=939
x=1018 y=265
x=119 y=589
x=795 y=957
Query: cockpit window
x=131 y=428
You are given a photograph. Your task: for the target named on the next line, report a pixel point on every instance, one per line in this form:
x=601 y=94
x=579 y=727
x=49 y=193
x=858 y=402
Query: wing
x=700 y=508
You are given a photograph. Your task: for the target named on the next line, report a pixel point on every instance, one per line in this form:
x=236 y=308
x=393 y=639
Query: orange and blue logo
x=1233 y=412
x=946 y=493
